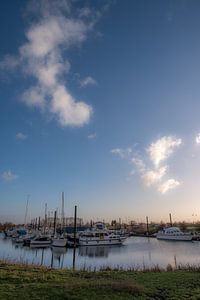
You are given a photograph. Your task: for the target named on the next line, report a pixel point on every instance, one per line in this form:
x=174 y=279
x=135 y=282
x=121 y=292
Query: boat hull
x=59 y=242
x=174 y=238
x=101 y=242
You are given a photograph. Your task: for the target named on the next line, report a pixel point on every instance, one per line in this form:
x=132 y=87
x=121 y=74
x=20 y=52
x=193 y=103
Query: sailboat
x=60 y=241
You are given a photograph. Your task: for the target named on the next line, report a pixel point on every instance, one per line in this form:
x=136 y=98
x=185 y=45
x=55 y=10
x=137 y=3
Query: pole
x=45 y=218
x=26 y=211
x=170 y=218
x=75 y=217
x=74 y=252
x=147 y=225
x=39 y=223
x=63 y=213
x=54 y=222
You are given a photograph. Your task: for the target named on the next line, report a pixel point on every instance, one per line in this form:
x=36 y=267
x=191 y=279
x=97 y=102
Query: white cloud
x=152 y=177
x=163 y=148
x=92 y=136
x=197 y=139
x=9 y=62
x=34 y=97
x=9 y=176
x=21 y=136
x=123 y=153
x=158 y=152
x=139 y=163
x=67 y=111
x=168 y=185
x=85 y=12
x=42 y=58
x=87 y=81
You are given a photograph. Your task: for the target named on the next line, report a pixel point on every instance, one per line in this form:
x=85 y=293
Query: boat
x=27 y=239
x=41 y=240
x=99 y=235
x=59 y=242
x=173 y=234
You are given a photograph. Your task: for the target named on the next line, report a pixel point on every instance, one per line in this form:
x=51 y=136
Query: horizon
x=100 y=99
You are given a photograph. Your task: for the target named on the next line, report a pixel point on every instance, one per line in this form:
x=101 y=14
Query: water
x=137 y=252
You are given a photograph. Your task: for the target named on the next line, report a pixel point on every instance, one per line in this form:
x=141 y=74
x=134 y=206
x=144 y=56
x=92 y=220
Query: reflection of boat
x=59 y=251
x=99 y=235
x=41 y=241
x=173 y=233
x=95 y=251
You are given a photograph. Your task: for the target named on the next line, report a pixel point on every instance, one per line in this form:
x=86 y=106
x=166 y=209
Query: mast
x=170 y=218
x=54 y=222
x=45 y=218
x=26 y=211
x=62 y=212
x=147 y=219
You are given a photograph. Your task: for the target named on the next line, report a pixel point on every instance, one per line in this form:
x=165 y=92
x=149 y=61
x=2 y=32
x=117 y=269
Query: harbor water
x=137 y=253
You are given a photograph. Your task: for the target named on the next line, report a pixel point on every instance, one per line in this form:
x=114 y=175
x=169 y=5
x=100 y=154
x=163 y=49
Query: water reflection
x=137 y=253
x=94 y=251
x=58 y=253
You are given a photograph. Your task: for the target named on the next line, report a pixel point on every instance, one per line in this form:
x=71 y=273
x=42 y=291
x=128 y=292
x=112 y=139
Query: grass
x=20 y=281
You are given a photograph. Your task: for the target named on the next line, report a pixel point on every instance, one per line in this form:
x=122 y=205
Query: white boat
x=41 y=240
x=59 y=242
x=173 y=234
x=99 y=235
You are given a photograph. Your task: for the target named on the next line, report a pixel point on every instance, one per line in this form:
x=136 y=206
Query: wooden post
x=39 y=223
x=170 y=218
x=75 y=217
x=74 y=252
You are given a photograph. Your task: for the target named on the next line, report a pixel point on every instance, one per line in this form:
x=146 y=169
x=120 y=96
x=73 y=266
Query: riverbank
x=32 y=282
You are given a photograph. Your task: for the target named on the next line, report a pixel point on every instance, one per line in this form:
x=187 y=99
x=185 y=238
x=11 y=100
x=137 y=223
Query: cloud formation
x=123 y=153
x=21 y=136
x=197 y=139
x=87 y=81
x=8 y=175
x=158 y=152
x=163 y=148
x=92 y=136
x=151 y=177
x=168 y=185
x=41 y=57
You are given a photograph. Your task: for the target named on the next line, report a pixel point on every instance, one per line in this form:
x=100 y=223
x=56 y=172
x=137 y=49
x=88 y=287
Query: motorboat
x=173 y=234
x=99 y=235
x=59 y=241
x=41 y=240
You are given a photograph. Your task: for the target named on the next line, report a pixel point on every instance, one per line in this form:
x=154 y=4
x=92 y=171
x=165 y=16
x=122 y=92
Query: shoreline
x=38 y=282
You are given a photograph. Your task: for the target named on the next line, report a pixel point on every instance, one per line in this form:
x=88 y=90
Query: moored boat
x=59 y=242
x=173 y=234
x=41 y=240
x=99 y=235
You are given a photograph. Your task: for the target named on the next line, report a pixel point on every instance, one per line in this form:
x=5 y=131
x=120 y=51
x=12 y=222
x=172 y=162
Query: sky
x=100 y=99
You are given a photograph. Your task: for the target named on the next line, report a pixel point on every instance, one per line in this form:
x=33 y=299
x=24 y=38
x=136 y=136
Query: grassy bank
x=29 y=282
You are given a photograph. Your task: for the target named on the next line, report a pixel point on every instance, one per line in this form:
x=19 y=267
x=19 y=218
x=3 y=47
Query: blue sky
x=100 y=99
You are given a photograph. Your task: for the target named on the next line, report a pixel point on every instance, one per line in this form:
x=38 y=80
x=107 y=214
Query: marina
x=136 y=253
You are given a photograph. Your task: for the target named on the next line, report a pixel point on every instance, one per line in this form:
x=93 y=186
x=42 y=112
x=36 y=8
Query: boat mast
x=26 y=211
x=62 y=212
x=45 y=218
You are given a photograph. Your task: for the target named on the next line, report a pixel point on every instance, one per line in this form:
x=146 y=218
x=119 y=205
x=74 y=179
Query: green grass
x=32 y=282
